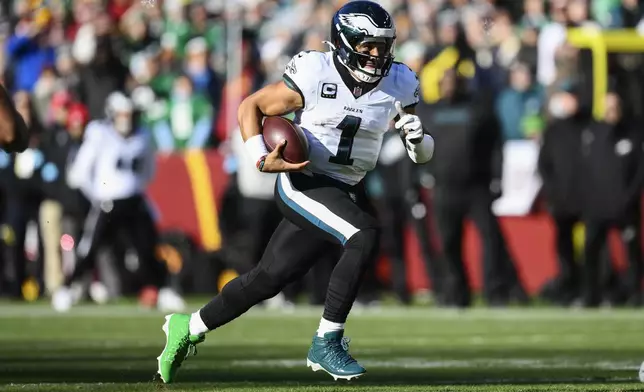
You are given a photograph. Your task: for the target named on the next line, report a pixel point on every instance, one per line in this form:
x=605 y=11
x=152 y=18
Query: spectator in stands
x=186 y=120
x=532 y=22
x=451 y=51
x=164 y=66
x=559 y=166
x=58 y=27
x=533 y=14
x=552 y=36
x=528 y=53
x=177 y=25
x=197 y=67
x=204 y=26
x=136 y=35
x=53 y=177
x=66 y=68
x=30 y=50
x=494 y=61
x=48 y=83
x=519 y=106
x=247 y=80
x=142 y=69
x=101 y=71
x=626 y=14
x=467 y=172
x=613 y=166
x=74 y=201
x=117 y=8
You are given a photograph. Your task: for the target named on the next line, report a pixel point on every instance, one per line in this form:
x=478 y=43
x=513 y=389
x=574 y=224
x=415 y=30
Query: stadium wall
x=188 y=188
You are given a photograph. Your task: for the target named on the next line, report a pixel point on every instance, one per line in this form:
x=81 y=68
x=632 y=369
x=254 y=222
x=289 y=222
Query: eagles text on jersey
x=345 y=133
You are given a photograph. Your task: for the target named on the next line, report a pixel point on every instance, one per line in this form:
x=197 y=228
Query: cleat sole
x=165 y=329
x=317 y=367
x=157 y=379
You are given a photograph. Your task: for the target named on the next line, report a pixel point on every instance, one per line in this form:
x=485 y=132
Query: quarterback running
x=344 y=100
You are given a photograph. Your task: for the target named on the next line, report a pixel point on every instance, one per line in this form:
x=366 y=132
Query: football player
x=344 y=99
x=14 y=134
x=113 y=167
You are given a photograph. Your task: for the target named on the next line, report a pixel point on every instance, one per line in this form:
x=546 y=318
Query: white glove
x=410 y=124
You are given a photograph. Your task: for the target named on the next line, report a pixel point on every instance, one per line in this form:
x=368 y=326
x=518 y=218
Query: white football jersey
x=345 y=133
x=109 y=166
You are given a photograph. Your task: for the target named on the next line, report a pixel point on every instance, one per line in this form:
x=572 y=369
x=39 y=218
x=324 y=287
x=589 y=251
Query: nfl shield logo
x=357 y=90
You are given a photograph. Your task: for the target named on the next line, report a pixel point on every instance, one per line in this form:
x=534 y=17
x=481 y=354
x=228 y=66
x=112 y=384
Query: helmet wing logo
x=360 y=22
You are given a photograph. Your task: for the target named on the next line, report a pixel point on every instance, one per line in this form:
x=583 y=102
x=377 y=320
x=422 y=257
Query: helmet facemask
x=355 y=52
x=371 y=68
x=356 y=56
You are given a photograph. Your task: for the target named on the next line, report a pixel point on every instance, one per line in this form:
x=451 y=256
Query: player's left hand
x=410 y=124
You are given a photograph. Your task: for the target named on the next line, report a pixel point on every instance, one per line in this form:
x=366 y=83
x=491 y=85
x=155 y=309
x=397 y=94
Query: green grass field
x=114 y=348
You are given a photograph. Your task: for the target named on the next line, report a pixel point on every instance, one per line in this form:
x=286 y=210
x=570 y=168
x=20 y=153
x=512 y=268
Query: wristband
x=260 y=163
x=256 y=149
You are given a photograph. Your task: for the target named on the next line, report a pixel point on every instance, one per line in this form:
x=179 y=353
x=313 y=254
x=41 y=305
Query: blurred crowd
x=491 y=71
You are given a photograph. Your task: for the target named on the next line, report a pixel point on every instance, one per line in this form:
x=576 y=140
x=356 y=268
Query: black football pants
x=594 y=286
x=452 y=206
x=104 y=220
x=260 y=218
x=320 y=215
x=403 y=197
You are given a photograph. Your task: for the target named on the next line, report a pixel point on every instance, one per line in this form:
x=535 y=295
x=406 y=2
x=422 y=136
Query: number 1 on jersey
x=349 y=127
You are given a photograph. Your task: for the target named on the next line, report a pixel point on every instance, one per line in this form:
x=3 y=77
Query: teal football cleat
x=179 y=344
x=331 y=354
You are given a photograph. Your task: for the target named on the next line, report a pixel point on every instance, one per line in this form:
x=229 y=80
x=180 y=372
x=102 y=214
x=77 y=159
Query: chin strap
x=330 y=45
x=351 y=72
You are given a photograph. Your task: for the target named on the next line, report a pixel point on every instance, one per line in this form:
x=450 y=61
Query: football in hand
x=278 y=128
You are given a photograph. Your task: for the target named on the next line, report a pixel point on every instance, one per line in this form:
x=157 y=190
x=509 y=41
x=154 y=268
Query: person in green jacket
x=184 y=121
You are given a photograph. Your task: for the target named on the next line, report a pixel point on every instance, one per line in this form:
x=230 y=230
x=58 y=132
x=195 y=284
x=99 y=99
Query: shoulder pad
x=303 y=72
x=407 y=83
x=308 y=62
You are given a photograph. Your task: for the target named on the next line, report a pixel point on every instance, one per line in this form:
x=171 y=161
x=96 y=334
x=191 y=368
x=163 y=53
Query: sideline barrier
x=188 y=189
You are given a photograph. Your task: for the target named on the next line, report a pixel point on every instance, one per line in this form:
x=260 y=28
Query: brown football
x=278 y=128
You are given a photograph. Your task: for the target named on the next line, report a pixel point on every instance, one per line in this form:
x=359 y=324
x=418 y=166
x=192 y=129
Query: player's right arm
x=277 y=99
x=273 y=100
x=14 y=134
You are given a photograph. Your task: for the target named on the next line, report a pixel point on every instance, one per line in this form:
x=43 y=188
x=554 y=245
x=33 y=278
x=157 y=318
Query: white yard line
x=479 y=314
x=520 y=382
x=482 y=363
